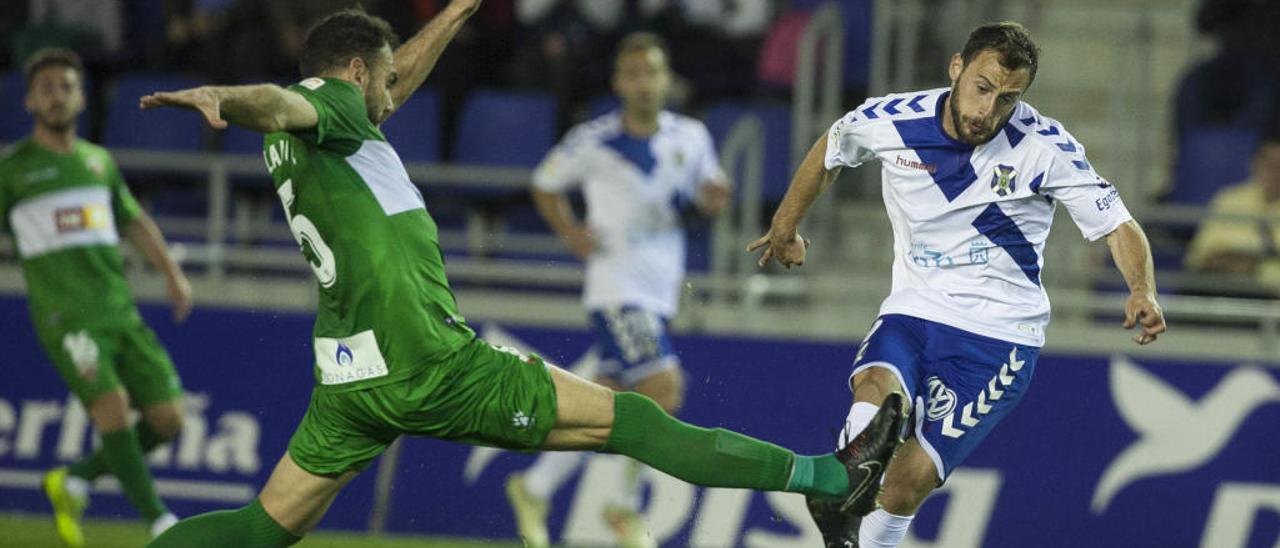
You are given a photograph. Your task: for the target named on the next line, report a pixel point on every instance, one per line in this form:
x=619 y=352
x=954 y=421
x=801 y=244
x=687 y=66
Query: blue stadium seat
x=414 y=130
x=164 y=129
x=721 y=118
x=1209 y=159
x=601 y=105
x=14 y=120
x=505 y=129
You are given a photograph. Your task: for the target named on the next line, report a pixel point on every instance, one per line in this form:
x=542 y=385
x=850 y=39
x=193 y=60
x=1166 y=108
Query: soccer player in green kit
x=392 y=354
x=66 y=205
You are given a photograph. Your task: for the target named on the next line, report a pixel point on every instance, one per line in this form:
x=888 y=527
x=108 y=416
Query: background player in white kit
x=971 y=177
x=641 y=170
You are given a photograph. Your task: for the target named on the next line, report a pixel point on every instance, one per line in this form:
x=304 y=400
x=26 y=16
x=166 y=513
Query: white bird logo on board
x=1176 y=433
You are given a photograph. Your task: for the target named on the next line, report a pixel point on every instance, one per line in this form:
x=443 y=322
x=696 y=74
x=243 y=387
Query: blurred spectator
x=478 y=56
x=1237 y=87
x=191 y=31
x=94 y=28
x=717 y=43
x=1245 y=246
x=562 y=40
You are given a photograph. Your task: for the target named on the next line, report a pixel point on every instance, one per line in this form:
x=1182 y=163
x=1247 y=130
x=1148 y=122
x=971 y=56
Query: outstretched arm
x=783 y=241
x=264 y=108
x=415 y=58
x=1132 y=255
x=145 y=235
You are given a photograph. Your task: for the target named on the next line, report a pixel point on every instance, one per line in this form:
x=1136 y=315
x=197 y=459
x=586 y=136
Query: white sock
x=550 y=471
x=76 y=486
x=881 y=529
x=163 y=523
x=860 y=415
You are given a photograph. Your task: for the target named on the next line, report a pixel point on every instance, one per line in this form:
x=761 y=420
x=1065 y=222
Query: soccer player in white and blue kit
x=642 y=171
x=971 y=176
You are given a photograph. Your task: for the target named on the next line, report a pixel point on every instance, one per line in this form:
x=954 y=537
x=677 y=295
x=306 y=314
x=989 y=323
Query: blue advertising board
x=1103 y=451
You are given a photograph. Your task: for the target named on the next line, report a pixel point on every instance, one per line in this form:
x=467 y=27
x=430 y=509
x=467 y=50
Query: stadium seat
x=1209 y=159
x=721 y=118
x=505 y=129
x=161 y=129
x=414 y=130
x=14 y=121
x=601 y=105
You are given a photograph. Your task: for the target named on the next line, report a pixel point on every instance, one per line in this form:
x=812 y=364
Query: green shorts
x=482 y=395
x=97 y=360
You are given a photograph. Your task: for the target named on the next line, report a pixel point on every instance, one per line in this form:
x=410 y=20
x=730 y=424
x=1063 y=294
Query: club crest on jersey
x=942 y=400
x=1002 y=181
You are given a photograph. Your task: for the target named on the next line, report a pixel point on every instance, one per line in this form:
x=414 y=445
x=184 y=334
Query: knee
x=165 y=420
x=669 y=397
x=876 y=379
x=110 y=412
x=166 y=427
x=666 y=389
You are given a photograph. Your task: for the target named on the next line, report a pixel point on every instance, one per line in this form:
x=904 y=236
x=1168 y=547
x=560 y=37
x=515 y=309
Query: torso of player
x=969 y=223
x=386 y=309
x=633 y=187
x=61 y=209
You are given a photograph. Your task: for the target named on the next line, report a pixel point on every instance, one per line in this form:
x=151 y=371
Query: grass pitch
x=36 y=531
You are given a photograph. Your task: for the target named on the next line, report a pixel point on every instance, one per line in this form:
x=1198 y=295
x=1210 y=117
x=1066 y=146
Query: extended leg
x=591 y=417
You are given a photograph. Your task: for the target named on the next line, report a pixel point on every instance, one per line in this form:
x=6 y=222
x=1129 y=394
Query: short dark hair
x=341 y=36
x=1007 y=38
x=641 y=41
x=51 y=57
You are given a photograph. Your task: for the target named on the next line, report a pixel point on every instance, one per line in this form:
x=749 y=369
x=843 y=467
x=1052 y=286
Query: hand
x=787 y=247
x=203 y=99
x=712 y=198
x=180 y=296
x=1141 y=308
x=581 y=241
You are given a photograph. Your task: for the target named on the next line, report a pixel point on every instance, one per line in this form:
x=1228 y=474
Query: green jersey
x=385 y=310
x=65 y=212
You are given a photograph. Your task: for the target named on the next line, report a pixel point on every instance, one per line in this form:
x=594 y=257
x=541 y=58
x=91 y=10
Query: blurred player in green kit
x=66 y=205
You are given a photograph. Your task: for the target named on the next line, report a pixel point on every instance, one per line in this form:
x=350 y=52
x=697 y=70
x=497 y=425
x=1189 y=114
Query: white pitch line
x=212 y=491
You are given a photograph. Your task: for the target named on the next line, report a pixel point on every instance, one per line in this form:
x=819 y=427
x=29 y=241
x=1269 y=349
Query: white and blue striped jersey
x=970 y=223
x=634 y=189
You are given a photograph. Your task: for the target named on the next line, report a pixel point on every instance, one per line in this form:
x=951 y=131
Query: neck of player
x=57 y=140
x=638 y=123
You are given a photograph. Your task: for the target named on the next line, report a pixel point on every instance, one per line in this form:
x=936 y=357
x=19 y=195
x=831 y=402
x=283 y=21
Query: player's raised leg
x=591 y=417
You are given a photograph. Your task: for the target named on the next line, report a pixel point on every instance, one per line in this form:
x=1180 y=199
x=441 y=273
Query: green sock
x=123 y=459
x=819 y=476
x=248 y=527
x=95 y=465
x=711 y=458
